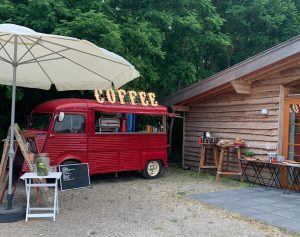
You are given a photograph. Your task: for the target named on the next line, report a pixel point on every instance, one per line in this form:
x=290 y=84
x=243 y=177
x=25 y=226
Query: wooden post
x=26 y=152
x=170 y=136
x=220 y=163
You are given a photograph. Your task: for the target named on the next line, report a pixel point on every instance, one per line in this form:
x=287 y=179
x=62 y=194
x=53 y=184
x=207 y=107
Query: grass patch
x=178 y=171
x=173 y=220
x=181 y=194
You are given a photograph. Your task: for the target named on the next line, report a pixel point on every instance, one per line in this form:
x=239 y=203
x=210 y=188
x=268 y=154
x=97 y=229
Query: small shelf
x=108 y=124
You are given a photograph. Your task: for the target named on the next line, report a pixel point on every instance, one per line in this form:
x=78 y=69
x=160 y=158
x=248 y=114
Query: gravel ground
x=133 y=206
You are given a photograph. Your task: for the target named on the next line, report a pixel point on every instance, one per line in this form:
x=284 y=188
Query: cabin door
x=291 y=131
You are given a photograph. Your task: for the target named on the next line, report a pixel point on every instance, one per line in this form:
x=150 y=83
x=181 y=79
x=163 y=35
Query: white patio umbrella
x=36 y=60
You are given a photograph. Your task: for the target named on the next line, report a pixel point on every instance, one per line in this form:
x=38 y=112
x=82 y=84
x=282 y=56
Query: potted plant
x=249 y=155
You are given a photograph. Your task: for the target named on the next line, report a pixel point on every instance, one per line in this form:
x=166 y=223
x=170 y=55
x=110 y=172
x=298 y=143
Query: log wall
x=230 y=115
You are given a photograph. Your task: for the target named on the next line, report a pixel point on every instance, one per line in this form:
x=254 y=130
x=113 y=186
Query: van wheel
x=153 y=169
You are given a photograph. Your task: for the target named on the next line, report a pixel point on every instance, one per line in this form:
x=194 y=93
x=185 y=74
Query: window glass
x=294 y=133
x=72 y=123
x=294 y=90
x=40 y=121
x=122 y=122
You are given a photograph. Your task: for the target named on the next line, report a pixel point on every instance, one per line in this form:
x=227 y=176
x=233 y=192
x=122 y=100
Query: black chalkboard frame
x=70 y=165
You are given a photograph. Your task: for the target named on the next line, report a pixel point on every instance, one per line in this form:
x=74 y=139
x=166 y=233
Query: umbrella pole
x=11 y=152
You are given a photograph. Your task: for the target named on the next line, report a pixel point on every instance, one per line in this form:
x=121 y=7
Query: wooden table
x=203 y=156
x=220 y=170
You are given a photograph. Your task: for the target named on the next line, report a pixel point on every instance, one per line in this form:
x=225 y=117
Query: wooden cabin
x=234 y=102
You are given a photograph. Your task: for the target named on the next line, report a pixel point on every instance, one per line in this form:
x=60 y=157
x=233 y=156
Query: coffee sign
x=114 y=96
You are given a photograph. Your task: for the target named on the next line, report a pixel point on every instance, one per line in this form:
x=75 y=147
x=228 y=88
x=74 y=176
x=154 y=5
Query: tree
x=172 y=43
x=186 y=41
x=257 y=25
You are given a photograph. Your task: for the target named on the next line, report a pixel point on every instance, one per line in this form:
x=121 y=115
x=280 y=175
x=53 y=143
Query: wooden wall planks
x=230 y=115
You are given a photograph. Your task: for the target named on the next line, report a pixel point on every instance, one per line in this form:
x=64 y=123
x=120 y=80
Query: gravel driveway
x=133 y=206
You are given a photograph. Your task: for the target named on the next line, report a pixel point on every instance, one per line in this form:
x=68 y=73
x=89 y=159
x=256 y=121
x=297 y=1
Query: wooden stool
x=220 y=165
x=203 y=156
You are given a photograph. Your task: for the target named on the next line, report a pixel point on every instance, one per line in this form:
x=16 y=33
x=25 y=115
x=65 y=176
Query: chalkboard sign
x=74 y=176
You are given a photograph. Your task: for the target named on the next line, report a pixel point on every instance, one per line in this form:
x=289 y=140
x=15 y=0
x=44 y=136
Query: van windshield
x=40 y=121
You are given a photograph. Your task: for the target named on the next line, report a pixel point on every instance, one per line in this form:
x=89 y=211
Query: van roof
x=82 y=105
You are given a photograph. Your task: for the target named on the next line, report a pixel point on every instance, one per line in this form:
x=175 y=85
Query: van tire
x=153 y=169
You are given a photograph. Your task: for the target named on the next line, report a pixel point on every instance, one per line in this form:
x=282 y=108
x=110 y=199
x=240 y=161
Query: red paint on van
x=105 y=152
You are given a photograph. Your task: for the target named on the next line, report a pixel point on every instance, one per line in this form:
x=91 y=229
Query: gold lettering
x=98 y=94
x=111 y=96
x=143 y=98
x=121 y=94
x=132 y=96
x=151 y=97
x=146 y=99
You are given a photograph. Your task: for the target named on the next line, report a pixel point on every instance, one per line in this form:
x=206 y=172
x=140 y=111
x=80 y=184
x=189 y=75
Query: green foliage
x=172 y=43
x=19 y=93
x=249 y=153
x=7 y=10
x=95 y=27
x=257 y=25
x=41 y=15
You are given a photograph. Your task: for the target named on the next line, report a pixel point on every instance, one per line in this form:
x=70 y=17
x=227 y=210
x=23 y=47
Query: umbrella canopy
x=68 y=63
x=36 y=60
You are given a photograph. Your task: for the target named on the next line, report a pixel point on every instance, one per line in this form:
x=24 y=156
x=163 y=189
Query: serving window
x=72 y=123
x=129 y=123
x=106 y=122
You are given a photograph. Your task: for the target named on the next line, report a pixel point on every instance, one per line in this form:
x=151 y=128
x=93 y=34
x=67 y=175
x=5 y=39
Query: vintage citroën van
x=110 y=135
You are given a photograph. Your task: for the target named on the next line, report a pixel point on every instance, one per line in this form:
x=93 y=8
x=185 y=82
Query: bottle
x=42 y=164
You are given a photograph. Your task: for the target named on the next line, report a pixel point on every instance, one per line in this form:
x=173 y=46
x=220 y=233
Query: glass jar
x=42 y=164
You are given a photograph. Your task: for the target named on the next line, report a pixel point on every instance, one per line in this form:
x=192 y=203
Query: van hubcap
x=153 y=168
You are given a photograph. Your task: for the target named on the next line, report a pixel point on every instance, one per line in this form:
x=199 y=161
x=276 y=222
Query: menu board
x=74 y=176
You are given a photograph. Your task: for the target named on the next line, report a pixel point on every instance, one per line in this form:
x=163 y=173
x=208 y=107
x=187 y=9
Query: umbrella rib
x=75 y=62
x=3 y=47
x=39 y=64
x=46 y=55
x=5 y=60
x=80 y=51
x=27 y=48
x=4 y=34
x=39 y=61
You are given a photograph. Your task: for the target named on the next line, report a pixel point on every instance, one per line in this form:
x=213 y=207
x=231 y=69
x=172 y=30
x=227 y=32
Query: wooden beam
x=273 y=69
x=180 y=108
x=280 y=119
x=183 y=142
x=241 y=87
x=206 y=95
x=255 y=76
x=290 y=71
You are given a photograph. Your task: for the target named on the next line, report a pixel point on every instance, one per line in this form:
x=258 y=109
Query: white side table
x=27 y=177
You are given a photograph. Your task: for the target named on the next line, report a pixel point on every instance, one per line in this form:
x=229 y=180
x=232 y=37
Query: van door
x=67 y=139
x=103 y=152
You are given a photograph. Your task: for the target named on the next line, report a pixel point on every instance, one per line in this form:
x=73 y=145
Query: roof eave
x=260 y=61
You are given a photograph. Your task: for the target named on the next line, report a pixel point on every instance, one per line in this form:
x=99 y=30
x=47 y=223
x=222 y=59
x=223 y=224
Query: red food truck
x=110 y=137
